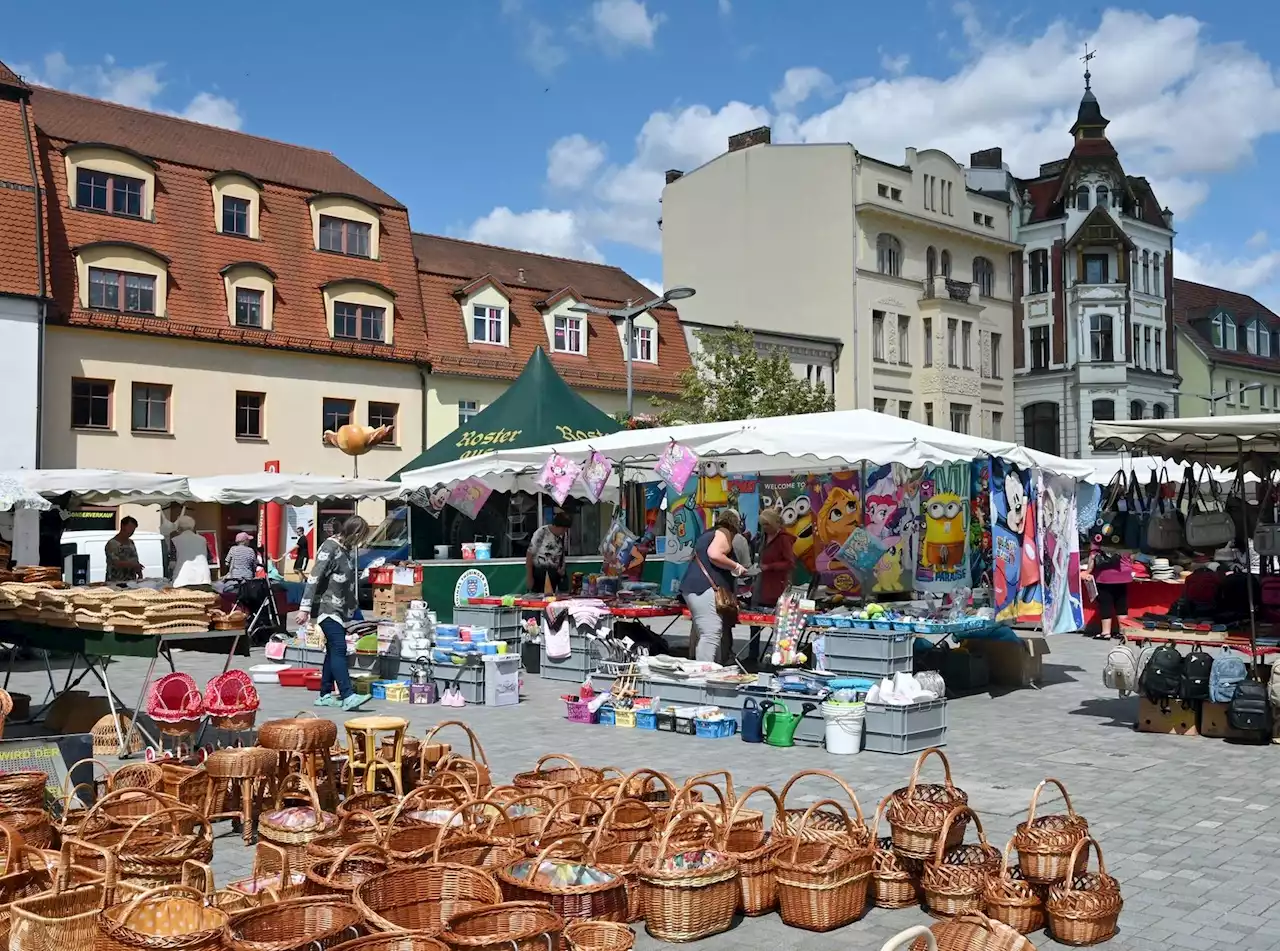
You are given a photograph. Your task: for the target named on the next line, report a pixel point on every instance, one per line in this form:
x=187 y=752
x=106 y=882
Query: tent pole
x=1248 y=561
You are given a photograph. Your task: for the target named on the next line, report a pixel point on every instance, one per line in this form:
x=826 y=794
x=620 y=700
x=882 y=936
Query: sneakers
x=328 y=700
x=352 y=701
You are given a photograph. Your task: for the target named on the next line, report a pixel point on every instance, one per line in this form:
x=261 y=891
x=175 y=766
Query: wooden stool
x=249 y=772
x=304 y=744
x=363 y=761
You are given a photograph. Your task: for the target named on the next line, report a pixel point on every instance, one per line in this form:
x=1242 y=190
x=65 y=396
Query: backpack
x=1228 y=670
x=1162 y=677
x=1201 y=587
x=1249 y=708
x=1121 y=671
x=1270 y=586
x=1197 y=667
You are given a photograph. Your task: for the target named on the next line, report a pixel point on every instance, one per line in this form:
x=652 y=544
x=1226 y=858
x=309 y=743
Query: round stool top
x=240 y=763
x=376 y=723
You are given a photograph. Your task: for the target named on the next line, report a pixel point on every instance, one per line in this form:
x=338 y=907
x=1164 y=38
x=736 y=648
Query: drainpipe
x=42 y=305
x=854 y=167
x=424 y=370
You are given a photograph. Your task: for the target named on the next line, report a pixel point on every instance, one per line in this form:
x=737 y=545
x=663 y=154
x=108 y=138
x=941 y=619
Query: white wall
x=19 y=375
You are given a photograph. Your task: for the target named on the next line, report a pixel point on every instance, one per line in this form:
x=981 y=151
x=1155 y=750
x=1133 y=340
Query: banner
x=891 y=506
x=302 y=525
x=944 y=546
x=1059 y=553
x=790 y=496
x=744 y=495
x=980 y=564
x=684 y=525
x=836 y=505
x=1015 y=577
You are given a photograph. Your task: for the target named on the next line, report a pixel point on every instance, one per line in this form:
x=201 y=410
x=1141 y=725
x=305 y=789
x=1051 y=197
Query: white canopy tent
x=1143 y=467
x=817 y=442
x=1226 y=441
x=104 y=486
x=289 y=488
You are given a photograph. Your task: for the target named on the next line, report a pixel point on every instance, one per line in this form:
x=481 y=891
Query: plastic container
x=311 y=680
x=646 y=720
x=844 y=727
x=468 y=551
x=296 y=676
x=716 y=729
x=378 y=689
x=870 y=653
x=666 y=721
x=501 y=680
x=624 y=719
x=606 y=716
x=267 y=673
x=442 y=551
x=484 y=551
x=905 y=729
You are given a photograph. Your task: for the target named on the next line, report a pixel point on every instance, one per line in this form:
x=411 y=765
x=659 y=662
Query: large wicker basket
x=954 y=882
x=829 y=824
x=1085 y=909
x=23 y=789
x=571 y=882
x=1045 y=843
x=171 y=918
x=299 y=734
x=824 y=883
x=557 y=781
x=511 y=926
x=1010 y=898
x=754 y=848
x=340 y=875
x=689 y=893
x=895 y=879
x=917 y=812
x=313 y=924
x=422 y=898
x=474 y=769
x=969 y=932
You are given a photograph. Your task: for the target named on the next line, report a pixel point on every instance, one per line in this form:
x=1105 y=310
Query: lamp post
x=1212 y=400
x=626 y=317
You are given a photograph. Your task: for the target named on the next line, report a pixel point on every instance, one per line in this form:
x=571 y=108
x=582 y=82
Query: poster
x=1059 y=545
x=1015 y=576
x=790 y=496
x=891 y=506
x=943 y=566
x=684 y=525
x=744 y=495
x=301 y=529
x=980 y=524
x=711 y=495
x=836 y=504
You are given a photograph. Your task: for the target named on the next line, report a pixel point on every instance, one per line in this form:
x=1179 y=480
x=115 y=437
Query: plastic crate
x=716 y=729
x=646 y=720
x=503 y=623
x=624 y=719
x=686 y=726
x=606 y=716
x=666 y=721
x=870 y=653
x=378 y=689
x=905 y=729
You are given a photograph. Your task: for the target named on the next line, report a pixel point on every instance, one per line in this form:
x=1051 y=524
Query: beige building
x=893 y=279
x=1228 y=352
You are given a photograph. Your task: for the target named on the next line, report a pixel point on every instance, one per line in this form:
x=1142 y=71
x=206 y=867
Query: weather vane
x=1088 y=55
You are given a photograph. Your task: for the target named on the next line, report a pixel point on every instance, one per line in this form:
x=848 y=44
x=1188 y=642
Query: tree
x=731 y=378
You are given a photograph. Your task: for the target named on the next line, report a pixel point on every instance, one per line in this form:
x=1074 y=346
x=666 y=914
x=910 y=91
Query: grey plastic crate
x=503 y=623
x=678 y=692
x=912 y=743
x=905 y=729
x=577 y=667
x=869 y=653
x=469 y=679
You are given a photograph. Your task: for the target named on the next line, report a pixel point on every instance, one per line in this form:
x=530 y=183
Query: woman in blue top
x=712 y=566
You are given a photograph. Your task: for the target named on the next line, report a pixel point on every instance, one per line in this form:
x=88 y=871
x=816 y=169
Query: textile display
x=432 y=500
x=836 y=504
x=891 y=506
x=1059 y=553
x=1016 y=581
x=677 y=465
x=980 y=563
x=711 y=496
x=744 y=495
x=790 y=496
x=615 y=549
x=684 y=525
x=595 y=475
x=944 y=545
x=469 y=496
x=558 y=476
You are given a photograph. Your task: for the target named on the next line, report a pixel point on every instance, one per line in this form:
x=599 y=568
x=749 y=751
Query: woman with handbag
x=708 y=590
x=1111 y=572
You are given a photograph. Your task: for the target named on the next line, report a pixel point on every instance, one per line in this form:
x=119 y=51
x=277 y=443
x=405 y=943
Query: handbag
x=1135 y=526
x=726 y=603
x=1208 y=528
x=1113 y=513
x=1164 y=524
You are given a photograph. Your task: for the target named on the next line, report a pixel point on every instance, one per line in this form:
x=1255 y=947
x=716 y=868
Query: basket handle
x=1035 y=799
x=798 y=837
x=477 y=751
x=417 y=793
x=117 y=794
x=1004 y=859
x=449 y=769
x=63 y=882
x=560 y=806
x=90 y=762
x=1084 y=843
x=199 y=876
x=737 y=806
x=946 y=827
x=903 y=940
x=163 y=893
x=915 y=770
x=561 y=757
x=649 y=775
x=167 y=814
x=364 y=816
x=683 y=796
x=278 y=857
x=523 y=797
x=875 y=823
x=300 y=780
x=374 y=850
x=828 y=774
x=689 y=812
x=585 y=855
x=15 y=844
x=728 y=797
x=602 y=827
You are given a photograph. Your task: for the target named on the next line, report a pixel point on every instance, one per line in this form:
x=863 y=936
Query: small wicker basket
x=1086 y=909
x=954 y=882
x=1045 y=843
x=917 y=812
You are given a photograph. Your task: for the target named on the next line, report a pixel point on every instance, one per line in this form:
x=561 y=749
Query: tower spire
x=1086 y=58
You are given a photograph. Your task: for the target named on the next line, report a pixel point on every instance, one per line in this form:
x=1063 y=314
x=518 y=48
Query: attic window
x=487 y=324
x=109 y=180
x=114 y=194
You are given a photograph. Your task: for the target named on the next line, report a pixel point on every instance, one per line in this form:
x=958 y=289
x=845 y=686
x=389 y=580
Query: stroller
x=231 y=700
x=256 y=598
x=177 y=708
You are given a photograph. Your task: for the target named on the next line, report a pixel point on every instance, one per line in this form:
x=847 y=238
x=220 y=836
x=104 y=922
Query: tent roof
x=105 y=486
x=816 y=442
x=289 y=488
x=1214 y=440
x=538 y=408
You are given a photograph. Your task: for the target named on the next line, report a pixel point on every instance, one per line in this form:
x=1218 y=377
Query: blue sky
x=547 y=124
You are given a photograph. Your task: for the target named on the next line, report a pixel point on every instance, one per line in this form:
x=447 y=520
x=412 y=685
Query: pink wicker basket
x=231 y=700
x=175 y=704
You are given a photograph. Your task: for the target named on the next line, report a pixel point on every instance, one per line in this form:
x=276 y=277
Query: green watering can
x=780 y=723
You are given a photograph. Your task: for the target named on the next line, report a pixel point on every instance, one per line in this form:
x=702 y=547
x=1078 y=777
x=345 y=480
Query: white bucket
x=442 y=551
x=844 y=727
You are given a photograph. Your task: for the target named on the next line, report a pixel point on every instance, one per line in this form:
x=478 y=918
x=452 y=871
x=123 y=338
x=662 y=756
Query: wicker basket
x=378 y=804
x=340 y=875
x=172 y=918
x=106 y=742
x=1010 y=898
x=65 y=917
x=295 y=830
x=624 y=858
x=689 y=894
x=354 y=828
x=525 y=813
x=954 y=882
x=33 y=825
x=823 y=884
x=570 y=883
x=421 y=898
x=190 y=785
x=474 y=769
x=573 y=817
x=242 y=762
x=1085 y=909
x=154 y=849
x=272 y=878
x=755 y=848
x=27 y=872
x=464 y=824
x=750 y=818
x=511 y=926
x=23 y=789
x=1045 y=843
x=971 y=932
x=895 y=879
x=598 y=936
x=313 y=924
x=399 y=941
x=917 y=811
x=828 y=825
x=299 y=734
x=656 y=790
x=557 y=781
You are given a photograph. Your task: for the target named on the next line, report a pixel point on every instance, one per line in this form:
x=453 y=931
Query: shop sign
x=90 y=520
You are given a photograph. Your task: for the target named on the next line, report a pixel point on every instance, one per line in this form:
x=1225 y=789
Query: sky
x=548 y=124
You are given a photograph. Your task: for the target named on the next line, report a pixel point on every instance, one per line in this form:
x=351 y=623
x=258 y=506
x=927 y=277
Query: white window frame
x=493 y=315
x=467 y=411
x=569 y=325
x=649 y=336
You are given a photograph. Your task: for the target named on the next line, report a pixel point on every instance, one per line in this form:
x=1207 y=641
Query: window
x=1039 y=271
x=114 y=194
x=1146 y=347
x=877 y=336
x=150 y=408
x=904 y=340
x=384 y=414
x=1158 y=411
x=889 y=255
x=249 y=422
x=1135 y=409
x=1096 y=269
x=467 y=411
x=882 y=190
x=997 y=425
x=1146 y=272
x=904 y=409
x=1104 y=410
x=960 y=418
x=487 y=324
x=928 y=341
x=568 y=335
x=1040 y=427
x=928 y=414
x=1082 y=198
x=931 y=262
x=642 y=344
x=91 y=404
x=953 y=343
x=337 y=413
x=1251 y=336
x=997 y=363
x=1229 y=334
x=1104 y=196
x=1264 y=341
x=344 y=237
x=235 y=215
x=117 y=290
x=1135 y=351
x=945 y=263
x=359 y=322
x=895 y=194
x=988 y=221
x=984 y=275
x=1101 y=344
x=1159 y=353
x=966 y=344
x=1040 y=347
x=1157 y=287
x=1262 y=396
x=977 y=217
x=880 y=404
x=1231 y=390
x=249 y=307
x=1244 y=395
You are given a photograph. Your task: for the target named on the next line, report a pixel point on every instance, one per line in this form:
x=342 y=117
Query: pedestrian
x=331 y=594
x=545 y=558
x=713 y=568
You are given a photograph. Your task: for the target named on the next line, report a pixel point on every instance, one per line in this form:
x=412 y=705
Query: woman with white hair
x=190 y=555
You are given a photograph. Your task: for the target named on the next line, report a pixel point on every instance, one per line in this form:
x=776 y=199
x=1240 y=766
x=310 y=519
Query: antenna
x=1086 y=58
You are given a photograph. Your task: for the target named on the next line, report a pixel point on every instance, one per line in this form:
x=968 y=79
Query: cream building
x=895 y=273
x=1228 y=352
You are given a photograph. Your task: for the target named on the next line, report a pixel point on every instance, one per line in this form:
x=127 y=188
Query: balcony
x=944 y=288
x=1096 y=293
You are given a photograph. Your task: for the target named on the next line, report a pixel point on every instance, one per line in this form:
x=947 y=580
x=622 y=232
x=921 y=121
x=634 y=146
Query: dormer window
x=1224 y=332
x=112 y=193
x=110 y=179
x=359 y=310
x=569 y=335
x=235 y=216
x=1104 y=197
x=237 y=201
x=359 y=322
x=487 y=324
x=1082 y=198
x=344 y=224
x=344 y=237
x=121 y=291
x=1256 y=337
x=644 y=339
x=122 y=277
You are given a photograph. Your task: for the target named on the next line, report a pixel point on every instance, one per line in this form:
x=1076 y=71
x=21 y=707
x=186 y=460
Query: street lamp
x=1213 y=400
x=626 y=317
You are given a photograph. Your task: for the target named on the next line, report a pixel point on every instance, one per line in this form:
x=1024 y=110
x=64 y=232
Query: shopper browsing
x=331 y=593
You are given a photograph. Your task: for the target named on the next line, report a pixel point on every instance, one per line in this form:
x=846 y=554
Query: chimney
x=744 y=140
x=987 y=158
x=674 y=174
x=1167 y=215
x=520 y=275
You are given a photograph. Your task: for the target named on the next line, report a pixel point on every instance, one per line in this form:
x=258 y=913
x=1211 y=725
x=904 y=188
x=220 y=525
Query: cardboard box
x=387 y=605
x=1214 y=723
x=1011 y=664
x=399 y=592
x=1177 y=720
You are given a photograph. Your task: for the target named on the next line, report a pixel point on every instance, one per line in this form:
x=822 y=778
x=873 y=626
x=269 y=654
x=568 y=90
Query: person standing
x=302 y=557
x=777 y=563
x=242 y=560
x=545 y=558
x=712 y=567
x=190 y=555
x=331 y=593
x=122 y=554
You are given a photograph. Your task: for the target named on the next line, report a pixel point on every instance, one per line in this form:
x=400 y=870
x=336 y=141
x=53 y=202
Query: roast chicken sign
x=478 y=443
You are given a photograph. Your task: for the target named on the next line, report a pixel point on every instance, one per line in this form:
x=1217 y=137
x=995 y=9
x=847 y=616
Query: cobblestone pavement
x=1188 y=825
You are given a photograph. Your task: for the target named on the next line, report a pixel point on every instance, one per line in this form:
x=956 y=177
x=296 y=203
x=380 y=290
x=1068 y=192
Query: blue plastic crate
x=881 y=625
x=716 y=729
x=378 y=689
x=607 y=716
x=646 y=720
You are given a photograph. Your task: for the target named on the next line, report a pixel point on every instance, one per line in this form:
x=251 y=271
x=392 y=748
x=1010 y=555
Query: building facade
x=1228 y=352
x=1094 y=334
x=891 y=281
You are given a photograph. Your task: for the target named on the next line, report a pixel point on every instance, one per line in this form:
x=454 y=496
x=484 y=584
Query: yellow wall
x=1198 y=381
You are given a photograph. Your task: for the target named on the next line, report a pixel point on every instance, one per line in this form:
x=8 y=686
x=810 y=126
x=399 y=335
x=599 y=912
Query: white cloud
x=798 y=84
x=572 y=160
x=542 y=230
x=1259 y=239
x=138 y=86
x=725 y=7
x=1248 y=274
x=895 y=65
x=539 y=46
x=655 y=286
x=623 y=23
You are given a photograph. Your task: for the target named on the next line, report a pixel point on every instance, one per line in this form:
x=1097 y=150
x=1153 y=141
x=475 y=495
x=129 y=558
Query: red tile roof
x=1194 y=304
x=66 y=117
x=19 y=262
x=12 y=80
x=447 y=265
